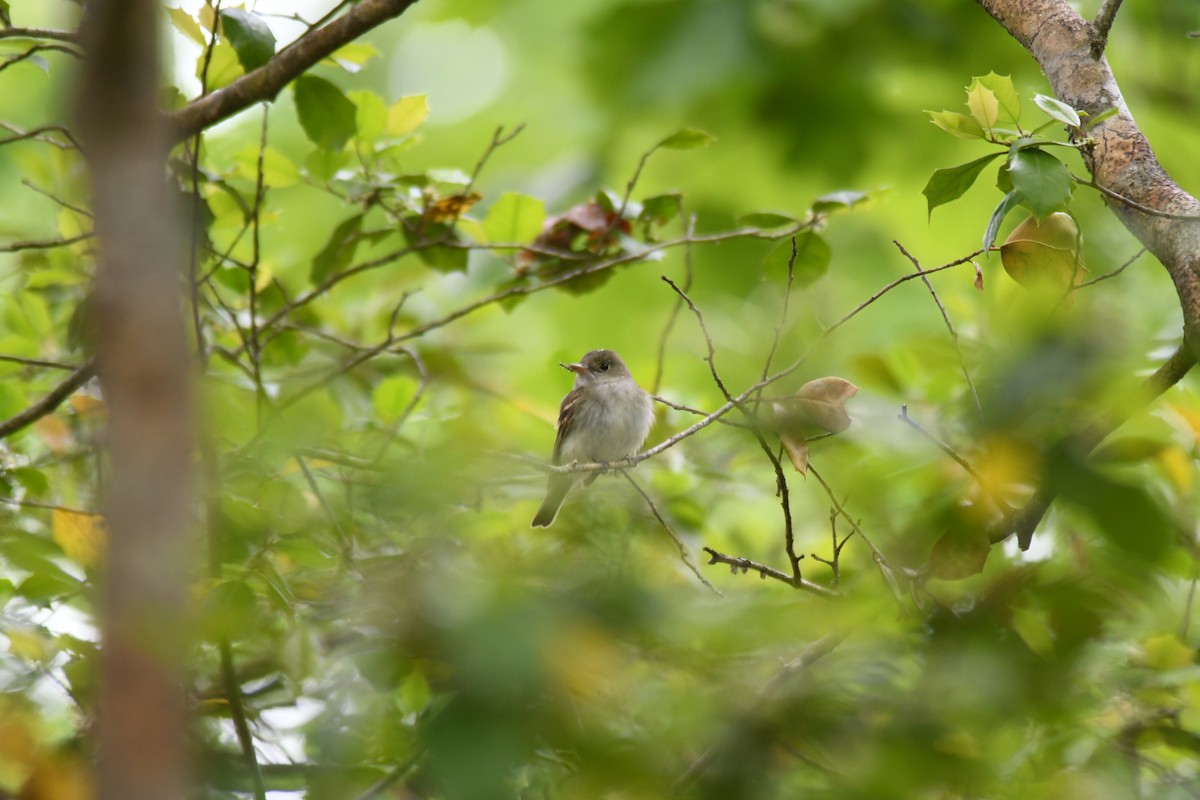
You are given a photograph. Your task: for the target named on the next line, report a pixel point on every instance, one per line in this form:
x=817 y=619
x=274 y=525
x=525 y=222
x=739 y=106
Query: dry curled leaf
x=792 y=439
x=446 y=209
x=820 y=403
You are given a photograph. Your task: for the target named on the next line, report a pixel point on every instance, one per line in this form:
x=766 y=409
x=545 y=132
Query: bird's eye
x=604 y=365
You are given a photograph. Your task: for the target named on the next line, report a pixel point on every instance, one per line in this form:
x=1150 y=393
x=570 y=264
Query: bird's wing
x=566 y=419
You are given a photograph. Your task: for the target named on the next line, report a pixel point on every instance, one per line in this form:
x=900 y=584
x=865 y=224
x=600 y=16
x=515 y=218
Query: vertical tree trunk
x=143 y=366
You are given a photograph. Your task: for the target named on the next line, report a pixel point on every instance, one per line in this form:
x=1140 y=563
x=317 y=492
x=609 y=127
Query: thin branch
x=885 y=566
x=962 y=362
x=52 y=400
x=57 y=200
x=1000 y=502
x=659 y=371
x=1112 y=274
x=787 y=296
x=35 y=362
x=396 y=773
x=1154 y=212
x=36 y=134
x=781 y=484
x=1102 y=25
x=343 y=539
x=237 y=710
x=44 y=244
x=683 y=553
x=38 y=48
x=289 y=63
x=39 y=33
x=739 y=564
x=680 y=407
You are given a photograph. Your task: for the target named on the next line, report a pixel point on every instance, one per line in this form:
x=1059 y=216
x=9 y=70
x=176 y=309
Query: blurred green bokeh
x=392 y=616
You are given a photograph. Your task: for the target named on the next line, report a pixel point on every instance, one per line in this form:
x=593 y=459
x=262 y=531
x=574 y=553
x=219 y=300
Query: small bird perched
x=606 y=417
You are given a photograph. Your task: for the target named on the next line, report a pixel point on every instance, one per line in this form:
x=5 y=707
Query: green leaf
x=371 y=115
x=686 y=139
x=1011 y=200
x=227 y=609
x=812 y=258
x=352 y=57
x=766 y=220
x=1042 y=181
x=957 y=124
x=1001 y=87
x=1126 y=515
x=661 y=208
x=223 y=68
x=338 y=252
x=186 y=24
x=392 y=396
x=250 y=36
x=407 y=114
x=442 y=259
x=327 y=115
x=952 y=183
x=984 y=106
x=1107 y=113
x=514 y=218
x=1057 y=109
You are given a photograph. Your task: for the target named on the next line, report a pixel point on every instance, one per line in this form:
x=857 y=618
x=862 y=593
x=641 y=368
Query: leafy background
x=395 y=624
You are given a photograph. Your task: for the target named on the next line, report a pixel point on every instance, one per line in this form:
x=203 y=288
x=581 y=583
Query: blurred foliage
x=387 y=269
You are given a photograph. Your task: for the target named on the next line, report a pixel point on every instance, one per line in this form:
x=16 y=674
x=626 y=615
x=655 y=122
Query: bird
x=605 y=417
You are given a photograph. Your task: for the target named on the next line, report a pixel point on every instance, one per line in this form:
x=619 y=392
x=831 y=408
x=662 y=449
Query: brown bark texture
x=143 y=365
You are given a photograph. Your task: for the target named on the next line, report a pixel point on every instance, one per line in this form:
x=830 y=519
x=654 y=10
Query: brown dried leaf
x=978 y=276
x=959 y=553
x=820 y=403
x=795 y=445
x=446 y=209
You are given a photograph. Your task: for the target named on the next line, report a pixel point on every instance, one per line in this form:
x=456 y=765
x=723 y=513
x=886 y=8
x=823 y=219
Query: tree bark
x=143 y=364
x=1121 y=159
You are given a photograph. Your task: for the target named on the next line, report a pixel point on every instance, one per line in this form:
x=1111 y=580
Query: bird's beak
x=578 y=369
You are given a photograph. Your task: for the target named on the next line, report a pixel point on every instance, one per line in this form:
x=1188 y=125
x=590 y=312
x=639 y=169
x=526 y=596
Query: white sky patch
x=462 y=69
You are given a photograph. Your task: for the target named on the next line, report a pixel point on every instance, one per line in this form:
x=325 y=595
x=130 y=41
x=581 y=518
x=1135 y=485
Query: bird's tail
x=556 y=491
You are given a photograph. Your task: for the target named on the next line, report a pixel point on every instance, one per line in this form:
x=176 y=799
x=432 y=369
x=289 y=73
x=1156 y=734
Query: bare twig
x=19 y=135
x=38 y=48
x=1154 y=212
x=57 y=200
x=237 y=709
x=962 y=362
x=1000 y=502
x=1112 y=274
x=52 y=400
x=1102 y=25
x=787 y=296
x=739 y=564
x=39 y=33
x=268 y=80
x=689 y=231
x=781 y=483
x=44 y=244
x=343 y=538
x=36 y=362
x=835 y=561
x=683 y=553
